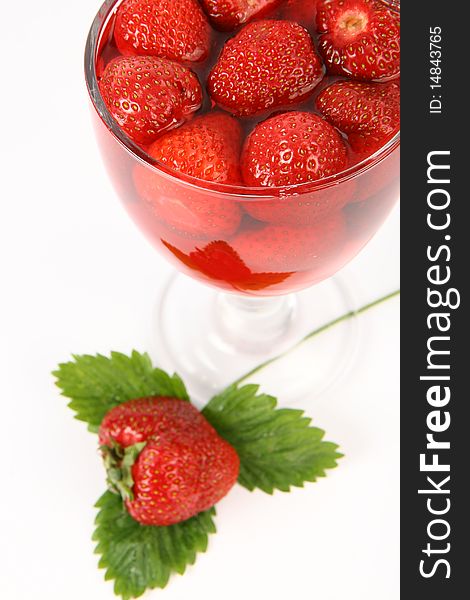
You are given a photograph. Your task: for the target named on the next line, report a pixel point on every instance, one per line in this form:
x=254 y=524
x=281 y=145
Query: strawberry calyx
x=118 y=462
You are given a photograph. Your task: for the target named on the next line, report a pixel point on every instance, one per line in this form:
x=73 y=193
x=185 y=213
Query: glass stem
x=253 y=323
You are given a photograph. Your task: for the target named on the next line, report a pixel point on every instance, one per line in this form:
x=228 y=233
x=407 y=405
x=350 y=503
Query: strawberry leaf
x=278 y=448
x=139 y=557
x=95 y=384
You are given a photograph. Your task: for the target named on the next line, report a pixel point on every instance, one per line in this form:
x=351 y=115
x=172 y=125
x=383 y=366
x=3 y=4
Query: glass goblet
x=255 y=264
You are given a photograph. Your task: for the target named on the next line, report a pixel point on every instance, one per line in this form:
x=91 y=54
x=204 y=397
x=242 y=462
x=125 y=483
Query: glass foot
x=211 y=338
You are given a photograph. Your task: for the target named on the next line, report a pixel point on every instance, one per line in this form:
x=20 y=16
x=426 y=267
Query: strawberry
x=368 y=112
x=134 y=421
x=360 y=38
x=282 y=248
x=207 y=148
x=229 y=14
x=303 y=210
x=165 y=459
x=268 y=64
x=292 y=148
x=174 y=29
x=148 y=95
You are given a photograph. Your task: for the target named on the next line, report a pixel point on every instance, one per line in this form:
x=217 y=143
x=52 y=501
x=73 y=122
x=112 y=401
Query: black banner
x=435 y=272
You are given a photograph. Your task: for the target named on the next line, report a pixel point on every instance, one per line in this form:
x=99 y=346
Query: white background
x=76 y=276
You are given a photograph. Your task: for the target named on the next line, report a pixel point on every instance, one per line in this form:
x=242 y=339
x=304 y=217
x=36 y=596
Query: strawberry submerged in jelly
x=148 y=96
x=369 y=113
x=359 y=38
x=174 y=29
x=207 y=148
x=229 y=14
x=269 y=64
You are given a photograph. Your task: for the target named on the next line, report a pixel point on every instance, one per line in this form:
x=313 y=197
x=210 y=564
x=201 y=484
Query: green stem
x=325 y=327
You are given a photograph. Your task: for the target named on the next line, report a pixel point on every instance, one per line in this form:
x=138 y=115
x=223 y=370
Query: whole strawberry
x=148 y=95
x=207 y=148
x=292 y=148
x=368 y=112
x=360 y=38
x=303 y=210
x=165 y=459
x=279 y=248
x=228 y=14
x=174 y=29
x=268 y=64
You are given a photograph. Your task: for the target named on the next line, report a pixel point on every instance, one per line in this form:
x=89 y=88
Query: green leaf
x=277 y=447
x=139 y=557
x=95 y=384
